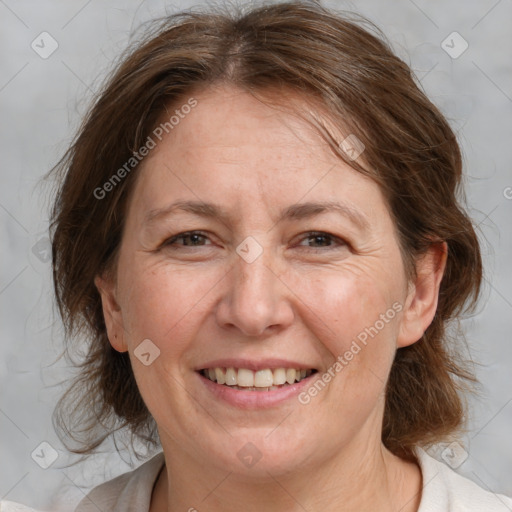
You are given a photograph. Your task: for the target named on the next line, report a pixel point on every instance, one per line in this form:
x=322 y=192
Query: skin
x=301 y=299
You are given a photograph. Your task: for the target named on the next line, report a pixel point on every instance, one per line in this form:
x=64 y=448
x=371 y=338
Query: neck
x=369 y=478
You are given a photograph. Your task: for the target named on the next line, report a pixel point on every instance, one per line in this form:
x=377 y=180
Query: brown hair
x=411 y=152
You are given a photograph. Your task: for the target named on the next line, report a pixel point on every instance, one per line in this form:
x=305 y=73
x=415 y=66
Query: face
x=268 y=287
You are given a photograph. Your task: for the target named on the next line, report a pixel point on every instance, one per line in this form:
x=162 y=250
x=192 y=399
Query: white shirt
x=444 y=490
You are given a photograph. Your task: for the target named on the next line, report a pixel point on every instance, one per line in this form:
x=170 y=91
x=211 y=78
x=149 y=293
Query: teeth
x=245 y=378
x=291 y=373
x=279 y=376
x=261 y=380
x=231 y=379
x=220 y=376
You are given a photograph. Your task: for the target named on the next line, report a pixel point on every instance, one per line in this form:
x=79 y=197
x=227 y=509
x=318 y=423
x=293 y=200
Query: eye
x=194 y=237
x=197 y=239
x=323 y=239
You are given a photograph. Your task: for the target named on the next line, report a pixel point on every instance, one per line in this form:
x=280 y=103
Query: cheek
x=348 y=306
x=160 y=304
x=354 y=311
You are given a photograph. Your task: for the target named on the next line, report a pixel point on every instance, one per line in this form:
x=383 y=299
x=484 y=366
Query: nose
x=256 y=300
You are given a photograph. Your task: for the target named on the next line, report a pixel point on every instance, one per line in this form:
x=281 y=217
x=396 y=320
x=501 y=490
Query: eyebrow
x=297 y=211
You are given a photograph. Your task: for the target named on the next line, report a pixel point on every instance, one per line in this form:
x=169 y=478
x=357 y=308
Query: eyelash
x=171 y=241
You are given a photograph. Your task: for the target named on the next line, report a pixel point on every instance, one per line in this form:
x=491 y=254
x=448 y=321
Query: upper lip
x=255 y=365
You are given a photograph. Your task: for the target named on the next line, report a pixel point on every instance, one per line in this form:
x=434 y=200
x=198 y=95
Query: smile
x=267 y=379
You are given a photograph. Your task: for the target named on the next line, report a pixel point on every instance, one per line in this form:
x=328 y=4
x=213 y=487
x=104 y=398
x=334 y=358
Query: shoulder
x=127 y=492
x=444 y=489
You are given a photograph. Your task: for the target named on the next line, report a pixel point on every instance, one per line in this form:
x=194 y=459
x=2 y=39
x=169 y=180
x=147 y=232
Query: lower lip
x=255 y=399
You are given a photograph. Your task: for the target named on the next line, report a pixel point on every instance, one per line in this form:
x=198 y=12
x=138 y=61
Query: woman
x=258 y=231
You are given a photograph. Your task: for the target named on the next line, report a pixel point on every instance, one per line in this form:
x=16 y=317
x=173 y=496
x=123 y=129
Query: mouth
x=245 y=379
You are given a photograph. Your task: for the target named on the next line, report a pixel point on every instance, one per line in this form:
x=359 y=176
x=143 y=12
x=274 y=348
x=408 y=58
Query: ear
x=421 y=303
x=111 y=312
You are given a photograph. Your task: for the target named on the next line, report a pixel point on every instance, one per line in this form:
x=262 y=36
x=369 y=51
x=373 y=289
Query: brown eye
x=189 y=238
x=323 y=239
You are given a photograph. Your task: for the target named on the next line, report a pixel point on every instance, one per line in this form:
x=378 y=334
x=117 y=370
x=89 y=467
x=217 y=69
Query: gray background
x=41 y=103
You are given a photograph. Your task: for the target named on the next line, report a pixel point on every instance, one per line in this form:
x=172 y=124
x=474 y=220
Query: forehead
x=233 y=148
x=228 y=121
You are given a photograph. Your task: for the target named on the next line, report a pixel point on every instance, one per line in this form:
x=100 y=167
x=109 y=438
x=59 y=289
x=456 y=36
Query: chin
x=260 y=453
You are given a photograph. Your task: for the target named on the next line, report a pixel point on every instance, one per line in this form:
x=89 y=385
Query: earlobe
x=111 y=312
x=421 y=303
